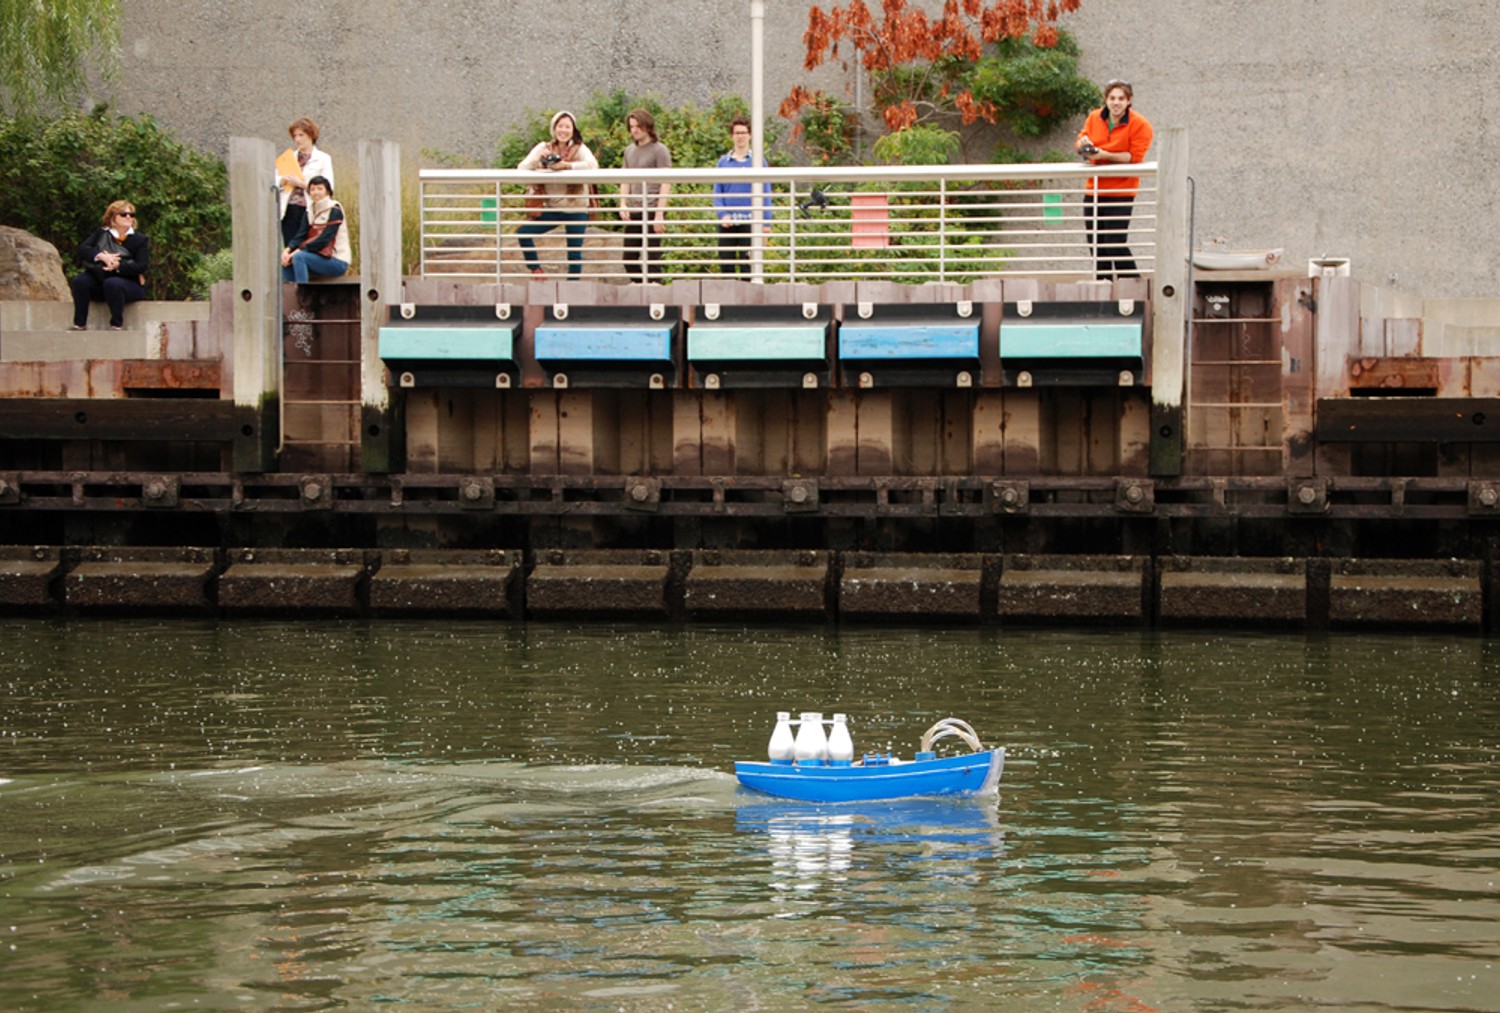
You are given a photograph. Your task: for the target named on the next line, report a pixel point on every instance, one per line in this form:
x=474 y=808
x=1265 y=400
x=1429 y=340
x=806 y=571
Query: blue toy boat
x=878 y=776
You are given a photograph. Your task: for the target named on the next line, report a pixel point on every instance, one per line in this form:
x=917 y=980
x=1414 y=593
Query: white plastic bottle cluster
x=811 y=745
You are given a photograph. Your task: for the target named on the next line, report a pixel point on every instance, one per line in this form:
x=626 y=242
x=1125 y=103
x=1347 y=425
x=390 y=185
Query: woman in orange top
x=1114 y=134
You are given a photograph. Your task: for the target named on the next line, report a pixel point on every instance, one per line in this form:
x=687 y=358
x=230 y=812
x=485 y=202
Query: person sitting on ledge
x=114 y=260
x=323 y=247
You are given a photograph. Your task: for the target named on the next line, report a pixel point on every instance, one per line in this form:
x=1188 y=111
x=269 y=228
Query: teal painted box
x=447 y=343
x=763 y=343
x=1070 y=341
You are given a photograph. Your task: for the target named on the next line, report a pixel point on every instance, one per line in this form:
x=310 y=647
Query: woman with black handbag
x=114 y=258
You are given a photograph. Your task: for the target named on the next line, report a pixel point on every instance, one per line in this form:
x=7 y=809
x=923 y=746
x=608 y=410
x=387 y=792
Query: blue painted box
x=909 y=341
x=604 y=344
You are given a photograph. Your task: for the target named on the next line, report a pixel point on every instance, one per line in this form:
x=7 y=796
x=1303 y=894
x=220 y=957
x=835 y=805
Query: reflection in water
x=814 y=846
x=448 y=815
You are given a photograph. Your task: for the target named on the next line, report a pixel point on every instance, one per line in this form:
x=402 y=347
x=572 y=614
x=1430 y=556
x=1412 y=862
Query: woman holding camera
x=565 y=204
x=1114 y=134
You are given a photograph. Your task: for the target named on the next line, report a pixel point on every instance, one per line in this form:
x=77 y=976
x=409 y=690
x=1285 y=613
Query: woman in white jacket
x=562 y=204
x=311 y=162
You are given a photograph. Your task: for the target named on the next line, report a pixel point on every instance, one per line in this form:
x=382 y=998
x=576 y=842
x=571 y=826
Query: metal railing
x=901 y=223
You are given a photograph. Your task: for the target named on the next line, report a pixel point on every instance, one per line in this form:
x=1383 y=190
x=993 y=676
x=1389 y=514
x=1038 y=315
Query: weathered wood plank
x=117 y=419
x=1409 y=420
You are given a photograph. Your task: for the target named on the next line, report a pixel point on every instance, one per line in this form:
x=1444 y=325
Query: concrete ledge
x=26 y=576
x=35 y=315
x=449 y=583
x=155 y=579
x=1406 y=593
x=910 y=586
x=1232 y=591
x=1047 y=588
x=599 y=583
x=283 y=581
x=757 y=584
x=62 y=345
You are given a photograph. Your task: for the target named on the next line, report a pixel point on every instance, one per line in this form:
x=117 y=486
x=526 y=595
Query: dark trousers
x=734 y=248
x=113 y=291
x=293 y=222
x=1106 y=224
x=640 y=230
x=574 y=222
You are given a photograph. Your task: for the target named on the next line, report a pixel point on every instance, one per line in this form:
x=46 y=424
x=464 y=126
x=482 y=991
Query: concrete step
x=57 y=315
x=60 y=344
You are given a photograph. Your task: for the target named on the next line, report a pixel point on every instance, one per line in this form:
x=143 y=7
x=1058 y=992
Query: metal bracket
x=477 y=493
x=799 y=495
x=1134 y=496
x=502 y=310
x=1484 y=499
x=1009 y=497
x=316 y=492
x=643 y=494
x=408 y=310
x=711 y=311
x=161 y=490
x=1307 y=496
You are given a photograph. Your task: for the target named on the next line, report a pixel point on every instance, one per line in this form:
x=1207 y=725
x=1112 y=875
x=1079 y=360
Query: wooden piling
x=257 y=324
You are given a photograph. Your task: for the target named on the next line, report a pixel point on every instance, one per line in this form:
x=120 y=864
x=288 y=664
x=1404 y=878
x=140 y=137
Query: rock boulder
x=30 y=268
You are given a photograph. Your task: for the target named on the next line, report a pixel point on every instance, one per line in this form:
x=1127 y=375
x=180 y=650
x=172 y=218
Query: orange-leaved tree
x=1001 y=62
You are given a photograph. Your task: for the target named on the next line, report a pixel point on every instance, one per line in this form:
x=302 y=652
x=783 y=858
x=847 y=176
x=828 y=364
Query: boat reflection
x=811 y=844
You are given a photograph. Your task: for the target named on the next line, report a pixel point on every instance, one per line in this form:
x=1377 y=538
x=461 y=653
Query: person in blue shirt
x=732 y=203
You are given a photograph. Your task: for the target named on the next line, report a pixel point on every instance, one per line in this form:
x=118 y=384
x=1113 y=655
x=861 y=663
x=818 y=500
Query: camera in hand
x=1087 y=150
x=550 y=159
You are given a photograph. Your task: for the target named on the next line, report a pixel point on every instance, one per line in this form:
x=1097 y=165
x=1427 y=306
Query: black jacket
x=132 y=266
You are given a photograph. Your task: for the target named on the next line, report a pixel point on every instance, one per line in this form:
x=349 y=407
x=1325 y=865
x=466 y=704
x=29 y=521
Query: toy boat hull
x=1235 y=260
x=969 y=774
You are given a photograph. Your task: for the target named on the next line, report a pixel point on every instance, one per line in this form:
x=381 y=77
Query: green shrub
x=207 y=270
x=58 y=175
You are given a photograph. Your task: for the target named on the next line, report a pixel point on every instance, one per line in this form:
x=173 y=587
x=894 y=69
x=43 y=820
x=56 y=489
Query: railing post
x=1169 y=300
x=942 y=230
x=380 y=276
x=791 y=231
x=253 y=206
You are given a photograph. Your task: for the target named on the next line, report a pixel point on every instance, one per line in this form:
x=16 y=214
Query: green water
x=468 y=816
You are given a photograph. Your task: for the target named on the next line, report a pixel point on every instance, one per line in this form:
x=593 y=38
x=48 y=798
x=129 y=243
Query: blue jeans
x=577 y=222
x=304 y=264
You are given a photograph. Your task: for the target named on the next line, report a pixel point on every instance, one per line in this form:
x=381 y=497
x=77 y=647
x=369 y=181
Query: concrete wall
x=1360 y=128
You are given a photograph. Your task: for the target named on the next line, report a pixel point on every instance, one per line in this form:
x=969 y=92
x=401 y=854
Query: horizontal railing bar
x=853 y=174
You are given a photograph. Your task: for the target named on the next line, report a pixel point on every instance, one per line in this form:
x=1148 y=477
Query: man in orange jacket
x=1113 y=134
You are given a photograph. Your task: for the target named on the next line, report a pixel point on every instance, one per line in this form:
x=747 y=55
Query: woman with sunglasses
x=1114 y=134
x=114 y=261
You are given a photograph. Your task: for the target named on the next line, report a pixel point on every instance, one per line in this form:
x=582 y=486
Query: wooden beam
x=1409 y=420
x=149 y=419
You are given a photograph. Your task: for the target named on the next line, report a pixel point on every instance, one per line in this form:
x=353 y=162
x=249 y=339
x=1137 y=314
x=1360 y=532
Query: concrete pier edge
x=710 y=585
